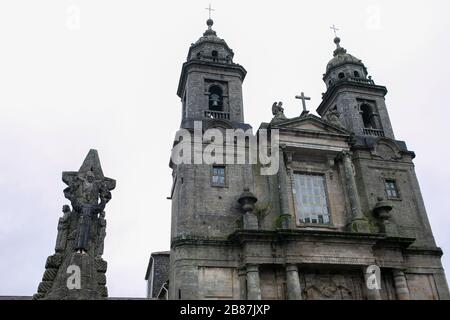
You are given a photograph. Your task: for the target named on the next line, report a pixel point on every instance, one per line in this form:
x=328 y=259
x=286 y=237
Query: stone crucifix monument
x=77 y=271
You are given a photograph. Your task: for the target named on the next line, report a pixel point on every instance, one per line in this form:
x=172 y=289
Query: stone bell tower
x=354 y=96
x=204 y=195
x=210 y=85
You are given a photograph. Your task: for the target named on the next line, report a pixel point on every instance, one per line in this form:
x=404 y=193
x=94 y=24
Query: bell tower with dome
x=210 y=85
x=354 y=96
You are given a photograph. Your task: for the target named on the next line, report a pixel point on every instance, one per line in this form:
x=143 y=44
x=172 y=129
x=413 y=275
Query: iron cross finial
x=210 y=9
x=335 y=29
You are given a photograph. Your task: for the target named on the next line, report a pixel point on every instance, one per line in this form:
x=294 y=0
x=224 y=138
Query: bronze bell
x=215 y=100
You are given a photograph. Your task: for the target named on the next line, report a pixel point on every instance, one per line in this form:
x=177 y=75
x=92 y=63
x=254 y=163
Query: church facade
x=342 y=218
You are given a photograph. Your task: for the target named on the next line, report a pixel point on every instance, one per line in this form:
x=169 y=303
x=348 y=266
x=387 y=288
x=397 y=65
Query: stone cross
x=334 y=28
x=210 y=9
x=304 y=99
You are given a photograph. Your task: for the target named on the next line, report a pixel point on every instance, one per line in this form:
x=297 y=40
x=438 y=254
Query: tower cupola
x=210 y=47
x=352 y=97
x=343 y=66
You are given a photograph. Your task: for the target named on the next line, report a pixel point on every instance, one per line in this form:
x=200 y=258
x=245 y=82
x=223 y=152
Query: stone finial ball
x=337 y=40
x=209 y=22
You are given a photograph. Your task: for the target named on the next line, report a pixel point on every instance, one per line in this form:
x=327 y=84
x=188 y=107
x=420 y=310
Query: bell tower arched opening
x=215 y=98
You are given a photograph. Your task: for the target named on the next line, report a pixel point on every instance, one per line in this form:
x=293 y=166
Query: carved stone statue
x=333 y=117
x=85 y=190
x=102 y=234
x=278 y=112
x=81 y=235
x=63 y=226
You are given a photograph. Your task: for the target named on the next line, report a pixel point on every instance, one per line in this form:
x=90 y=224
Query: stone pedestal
x=80 y=277
x=401 y=285
x=253 y=285
x=250 y=221
x=294 y=291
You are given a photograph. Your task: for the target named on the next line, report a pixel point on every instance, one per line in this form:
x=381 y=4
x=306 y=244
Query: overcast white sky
x=111 y=85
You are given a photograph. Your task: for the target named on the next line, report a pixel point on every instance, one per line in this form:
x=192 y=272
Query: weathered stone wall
x=197 y=85
x=408 y=212
x=346 y=99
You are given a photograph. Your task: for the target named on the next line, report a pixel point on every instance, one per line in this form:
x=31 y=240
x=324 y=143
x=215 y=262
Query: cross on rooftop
x=334 y=28
x=304 y=99
x=210 y=9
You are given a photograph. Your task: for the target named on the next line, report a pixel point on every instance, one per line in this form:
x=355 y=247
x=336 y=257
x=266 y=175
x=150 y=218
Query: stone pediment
x=310 y=123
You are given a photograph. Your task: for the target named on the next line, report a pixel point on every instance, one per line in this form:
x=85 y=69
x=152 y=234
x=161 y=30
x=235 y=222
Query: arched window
x=356 y=74
x=341 y=75
x=215 y=98
x=367 y=116
x=215 y=55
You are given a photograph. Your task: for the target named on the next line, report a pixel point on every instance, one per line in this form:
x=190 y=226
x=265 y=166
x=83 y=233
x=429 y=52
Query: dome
x=211 y=47
x=341 y=57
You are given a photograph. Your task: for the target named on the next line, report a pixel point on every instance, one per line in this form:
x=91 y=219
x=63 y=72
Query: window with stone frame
x=218 y=176
x=311 y=199
x=391 y=189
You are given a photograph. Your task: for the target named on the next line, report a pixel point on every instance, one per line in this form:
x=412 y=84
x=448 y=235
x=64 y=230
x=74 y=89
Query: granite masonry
x=77 y=271
x=345 y=201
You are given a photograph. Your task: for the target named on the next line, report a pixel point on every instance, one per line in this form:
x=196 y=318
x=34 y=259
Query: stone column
x=283 y=190
x=373 y=293
x=401 y=285
x=253 y=285
x=293 y=283
x=359 y=222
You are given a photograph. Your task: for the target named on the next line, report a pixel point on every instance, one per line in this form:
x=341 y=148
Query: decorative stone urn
x=247 y=200
x=382 y=211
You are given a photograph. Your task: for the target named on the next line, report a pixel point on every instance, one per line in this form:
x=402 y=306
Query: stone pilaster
x=253 y=285
x=401 y=285
x=242 y=273
x=358 y=221
x=285 y=215
x=293 y=283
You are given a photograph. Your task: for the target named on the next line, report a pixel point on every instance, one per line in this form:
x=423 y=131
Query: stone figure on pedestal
x=80 y=240
x=278 y=112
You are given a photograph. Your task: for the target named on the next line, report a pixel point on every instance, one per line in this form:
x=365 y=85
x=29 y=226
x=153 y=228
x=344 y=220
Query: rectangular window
x=312 y=202
x=391 y=189
x=218 y=176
